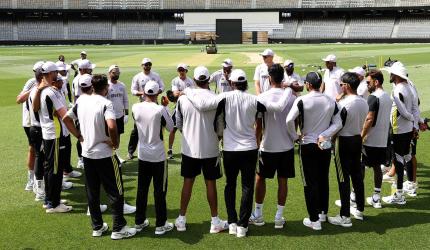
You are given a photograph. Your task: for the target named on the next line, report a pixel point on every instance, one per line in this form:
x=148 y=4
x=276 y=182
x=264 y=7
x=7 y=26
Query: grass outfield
x=24 y=223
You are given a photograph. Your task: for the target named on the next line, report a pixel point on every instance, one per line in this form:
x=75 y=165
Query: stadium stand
x=39 y=4
x=6 y=30
x=184 y=4
x=40 y=30
x=224 y=4
x=371 y=28
x=277 y=4
x=90 y=30
x=320 y=28
x=170 y=32
x=137 y=29
x=288 y=31
x=414 y=28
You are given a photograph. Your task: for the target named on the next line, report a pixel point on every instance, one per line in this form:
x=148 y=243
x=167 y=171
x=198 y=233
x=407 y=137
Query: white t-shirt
x=362 y=89
x=93 y=124
x=179 y=85
x=275 y=133
x=117 y=94
x=353 y=112
x=25 y=110
x=289 y=80
x=76 y=89
x=34 y=116
x=402 y=118
x=139 y=80
x=332 y=82
x=262 y=74
x=150 y=119
x=380 y=103
x=52 y=126
x=222 y=83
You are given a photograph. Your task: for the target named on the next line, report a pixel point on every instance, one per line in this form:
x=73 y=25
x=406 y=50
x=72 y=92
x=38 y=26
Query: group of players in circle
x=345 y=113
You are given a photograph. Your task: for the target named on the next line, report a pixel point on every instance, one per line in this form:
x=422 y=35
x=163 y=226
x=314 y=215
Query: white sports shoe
x=314 y=225
x=40 y=191
x=221 y=226
x=66 y=185
x=128 y=209
x=322 y=217
x=258 y=221
x=140 y=227
x=103 y=208
x=73 y=174
x=181 y=225
x=340 y=221
x=163 y=229
x=29 y=185
x=279 y=223
x=410 y=188
x=376 y=203
x=351 y=203
x=387 y=178
x=126 y=232
x=59 y=209
x=232 y=228
x=62 y=201
x=103 y=229
x=395 y=199
x=241 y=231
x=356 y=213
x=80 y=163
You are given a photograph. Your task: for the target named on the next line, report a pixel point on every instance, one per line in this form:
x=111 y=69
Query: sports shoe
x=73 y=174
x=395 y=199
x=80 y=163
x=340 y=221
x=232 y=228
x=170 y=154
x=66 y=185
x=62 y=201
x=356 y=213
x=128 y=209
x=258 y=221
x=29 y=185
x=180 y=225
x=40 y=195
x=130 y=157
x=314 y=225
x=59 y=209
x=103 y=208
x=387 y=178
x=322 y=217
x=241 y=231
x=163 y=229
x=351 y=203
x=279 y=223
x=125 y=232
x=140 y=227
x=376 y=203
x=103 y=229
x=220 y=226
x=410 y=188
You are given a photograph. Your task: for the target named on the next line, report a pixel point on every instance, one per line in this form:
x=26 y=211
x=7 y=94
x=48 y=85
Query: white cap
x=151 y=88
x=113 y=67
x=330 y=58
x=238 y=75
x=267 y=52
x=358 y=70
x=145 y=60
x=201 y=71
x=227 y=63
x=398 y=69
x=62 y=66
x=83 y=52
x=49 y=67
x=182 y=65
x=84 y=81
x=86 y=64
x=38 y=65
x=288 y=62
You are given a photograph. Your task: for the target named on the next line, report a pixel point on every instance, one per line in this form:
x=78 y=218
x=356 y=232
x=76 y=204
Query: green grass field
x=24 y=224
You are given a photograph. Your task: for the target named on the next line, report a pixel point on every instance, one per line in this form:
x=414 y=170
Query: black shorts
x=35 y=136
x=27 y=133
x=192 y=167
x=414 y=146
x=282 y=163
x=120 y=125
x=174 y=117
x=374 y=156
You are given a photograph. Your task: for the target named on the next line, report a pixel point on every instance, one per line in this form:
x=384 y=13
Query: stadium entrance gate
x=229 y=31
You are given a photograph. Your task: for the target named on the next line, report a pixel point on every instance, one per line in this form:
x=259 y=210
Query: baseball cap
x=227 y=63
x=288 y=62
x=358 y=70
x=85 y=81
x=267 y=52
x=38 y=65
x=113 y=67
x=86 y=64
x=313 y=78
x=182 y=65
x=49 y=67
x=83 y=52
x=146 y=60
x=330 y=58
x=200 y=72
x=151 y=88
x=238 y=75
x=62 y=66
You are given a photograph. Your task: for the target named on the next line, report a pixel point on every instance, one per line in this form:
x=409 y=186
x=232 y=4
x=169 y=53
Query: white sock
x=30 y=175
x=399 y=191
x=258 y=210
x=279 y=212
x=182 y=218
x=215 y=220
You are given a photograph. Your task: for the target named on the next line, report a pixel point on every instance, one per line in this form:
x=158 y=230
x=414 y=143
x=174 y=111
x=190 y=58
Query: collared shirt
x=221 y=81
x=331 y=81
x=51 y=100
x=380 y=103
x=262 y=74
x=139 y=81
x=179 y=85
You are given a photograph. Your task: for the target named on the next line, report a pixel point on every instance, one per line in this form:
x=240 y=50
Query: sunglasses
x=148 y=64
x=181 y=70
x=343 y=84
x=368 y=82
